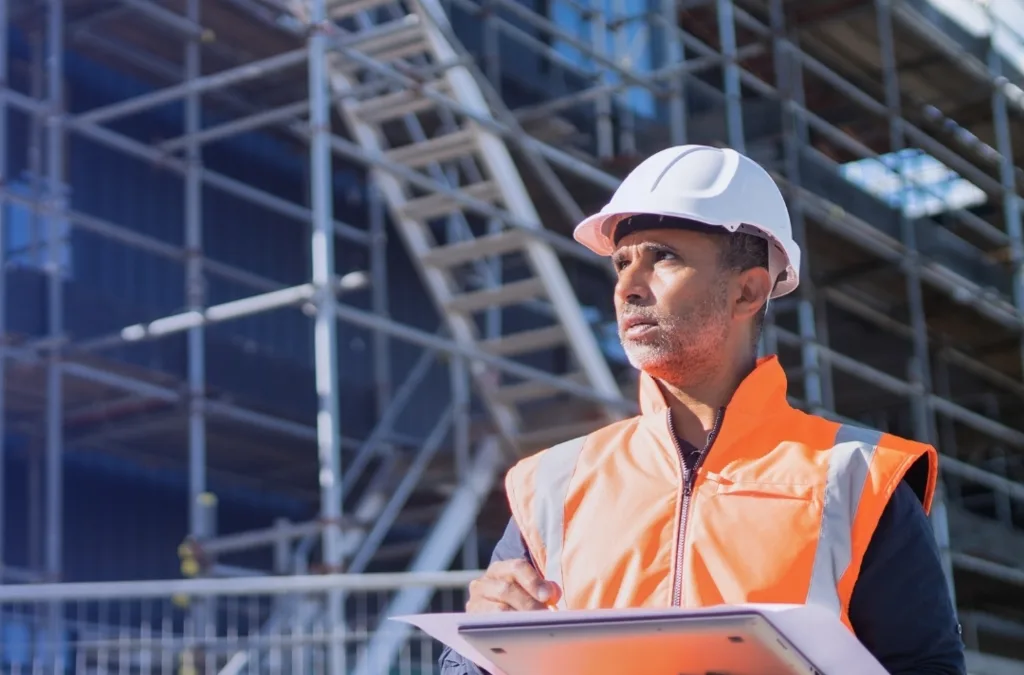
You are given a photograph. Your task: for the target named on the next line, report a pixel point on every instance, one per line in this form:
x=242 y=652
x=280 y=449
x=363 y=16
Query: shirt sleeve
x=900 y=608
x=510 y=547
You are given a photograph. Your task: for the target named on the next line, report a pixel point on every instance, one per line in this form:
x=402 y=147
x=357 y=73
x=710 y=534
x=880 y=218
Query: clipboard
x=726 y=640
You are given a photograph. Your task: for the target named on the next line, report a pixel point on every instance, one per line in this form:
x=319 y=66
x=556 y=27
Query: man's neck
x=695 y=406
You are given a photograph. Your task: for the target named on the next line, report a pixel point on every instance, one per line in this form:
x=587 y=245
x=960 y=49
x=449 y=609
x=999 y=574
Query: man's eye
x=663 y=255
x=621 y=264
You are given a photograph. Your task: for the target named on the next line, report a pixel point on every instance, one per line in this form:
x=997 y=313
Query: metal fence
x=271 y=625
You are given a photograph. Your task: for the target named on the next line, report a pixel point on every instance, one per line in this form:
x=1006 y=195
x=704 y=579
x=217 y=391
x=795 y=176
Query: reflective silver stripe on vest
x=848 y=468
x=554 y=471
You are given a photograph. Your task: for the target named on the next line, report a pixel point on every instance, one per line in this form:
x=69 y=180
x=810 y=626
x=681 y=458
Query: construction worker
x=719 y=492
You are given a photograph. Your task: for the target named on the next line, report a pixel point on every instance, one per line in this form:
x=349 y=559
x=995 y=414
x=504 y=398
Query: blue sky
x=931 y=187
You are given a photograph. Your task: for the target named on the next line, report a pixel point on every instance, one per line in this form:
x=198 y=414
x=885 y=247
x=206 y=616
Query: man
x=719 y=491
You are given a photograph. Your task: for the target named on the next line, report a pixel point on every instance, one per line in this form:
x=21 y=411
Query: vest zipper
x=689 y=477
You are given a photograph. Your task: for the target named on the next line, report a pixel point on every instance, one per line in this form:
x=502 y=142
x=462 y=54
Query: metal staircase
x=476 y=268
x=479 y=265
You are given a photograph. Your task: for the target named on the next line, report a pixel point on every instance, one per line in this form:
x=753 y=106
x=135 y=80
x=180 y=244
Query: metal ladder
x=458 y=252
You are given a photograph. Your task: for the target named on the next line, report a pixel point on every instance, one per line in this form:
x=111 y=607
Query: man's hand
x=510 y=586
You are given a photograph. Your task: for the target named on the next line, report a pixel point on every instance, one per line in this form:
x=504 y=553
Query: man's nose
x=632 y=287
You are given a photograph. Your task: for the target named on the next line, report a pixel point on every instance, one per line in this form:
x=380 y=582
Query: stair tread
x=507 y=294
x=385 y=43
x=395 y=104
x=525 y=341
x=439 y=204
x=437 y=149
x=341 y=9
x=532 y=390
x=505 y=241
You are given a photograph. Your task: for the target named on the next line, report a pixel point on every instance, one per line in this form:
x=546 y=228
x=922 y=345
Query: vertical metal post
x=620 y=52
x=194 y=284
x=1007 y=171
x=947 y=428
x=37 y=87
x=55 y=296
x=731 y=73
x=55 y=215
x=4 y=180
x=199 y=504
x=325 y=327
x=940 y=528
x=828 y=396
x=492 y=43
x=924 y=423
x=492 y=316
x=459 y=374
x=672 y=53
x=379 y=299
x=999 y=464
x=920 y=366
x=34 y=515
x=599 y=42
x=789 y=78
x=282 y=549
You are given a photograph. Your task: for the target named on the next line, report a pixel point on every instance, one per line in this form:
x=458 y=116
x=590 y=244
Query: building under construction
x=288 y=285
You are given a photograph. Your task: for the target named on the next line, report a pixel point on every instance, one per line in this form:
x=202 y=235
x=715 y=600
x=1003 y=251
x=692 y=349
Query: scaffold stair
x=471 y=266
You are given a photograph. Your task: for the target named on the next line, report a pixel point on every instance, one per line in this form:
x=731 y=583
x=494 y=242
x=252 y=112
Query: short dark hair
x=739 y=252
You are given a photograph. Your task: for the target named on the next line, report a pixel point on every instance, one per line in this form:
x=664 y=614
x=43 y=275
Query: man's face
x=673 y=303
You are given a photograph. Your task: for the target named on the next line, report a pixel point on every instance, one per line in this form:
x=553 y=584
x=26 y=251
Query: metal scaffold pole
x=56 y=243
x=790 y=82
x=200 y=510
x=382 y=373
x=673 y=54
x=598 y=20
x=920 y=365
x=1007 y=173
x=325 y=327
x=1010 y=207
x=621 y=47
x=4 y=149
x=731 y=75
x=195 y=289
x=925 y=428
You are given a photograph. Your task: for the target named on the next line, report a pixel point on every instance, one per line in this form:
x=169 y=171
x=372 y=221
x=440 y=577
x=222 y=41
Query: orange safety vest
x=781 y=509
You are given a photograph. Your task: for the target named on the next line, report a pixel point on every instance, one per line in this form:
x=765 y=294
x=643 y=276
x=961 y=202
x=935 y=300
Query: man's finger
x=505 y=589
x=526 y=576
x=483 y=606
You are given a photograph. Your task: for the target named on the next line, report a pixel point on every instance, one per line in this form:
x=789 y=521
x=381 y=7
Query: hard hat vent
x=695 y=171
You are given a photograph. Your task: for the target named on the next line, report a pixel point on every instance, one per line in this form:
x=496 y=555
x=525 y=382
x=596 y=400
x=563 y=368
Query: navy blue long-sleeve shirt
x=900 y=608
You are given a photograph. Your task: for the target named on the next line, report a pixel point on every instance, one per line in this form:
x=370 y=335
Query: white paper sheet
x=814 y=631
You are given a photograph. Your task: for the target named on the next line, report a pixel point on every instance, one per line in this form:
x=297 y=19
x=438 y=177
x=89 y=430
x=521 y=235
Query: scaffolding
x=909 y=316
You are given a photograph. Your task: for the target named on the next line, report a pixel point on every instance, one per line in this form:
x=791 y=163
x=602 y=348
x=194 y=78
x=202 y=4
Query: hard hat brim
x=597 y=233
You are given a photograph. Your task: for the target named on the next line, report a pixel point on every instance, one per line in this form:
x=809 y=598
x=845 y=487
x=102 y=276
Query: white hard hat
x=712 y=186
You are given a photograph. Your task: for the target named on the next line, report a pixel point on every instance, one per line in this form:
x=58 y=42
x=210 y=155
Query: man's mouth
x=637 y=326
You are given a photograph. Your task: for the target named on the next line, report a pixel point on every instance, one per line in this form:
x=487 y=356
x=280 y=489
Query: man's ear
x=754 y=286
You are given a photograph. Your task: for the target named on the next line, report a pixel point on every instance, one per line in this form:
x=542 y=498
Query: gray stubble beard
x=687 y=347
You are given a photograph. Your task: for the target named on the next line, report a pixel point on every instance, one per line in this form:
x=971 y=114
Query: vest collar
x=765 y=386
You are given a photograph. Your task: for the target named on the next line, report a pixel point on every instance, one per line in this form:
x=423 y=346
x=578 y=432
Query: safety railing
x=242 y=626
x=265 y=625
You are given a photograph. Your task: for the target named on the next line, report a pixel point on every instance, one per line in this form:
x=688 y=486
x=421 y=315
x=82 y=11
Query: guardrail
x=275 y=625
